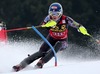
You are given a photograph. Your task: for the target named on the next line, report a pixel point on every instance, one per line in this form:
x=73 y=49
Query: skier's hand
x=83 y=30
x=51 y=23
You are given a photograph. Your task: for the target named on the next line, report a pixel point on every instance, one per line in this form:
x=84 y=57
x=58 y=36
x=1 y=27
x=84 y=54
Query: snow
x=14 y=52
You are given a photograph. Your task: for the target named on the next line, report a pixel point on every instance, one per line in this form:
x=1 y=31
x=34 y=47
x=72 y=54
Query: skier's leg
x=43 y=49
x=47 y=56
x=50 y=53
x=59 y=46
x=28 y=60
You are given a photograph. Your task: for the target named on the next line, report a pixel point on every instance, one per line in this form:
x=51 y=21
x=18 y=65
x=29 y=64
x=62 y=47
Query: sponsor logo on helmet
x=54 y=7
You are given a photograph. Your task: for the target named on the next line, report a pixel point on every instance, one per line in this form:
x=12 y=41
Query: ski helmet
x=55 y=9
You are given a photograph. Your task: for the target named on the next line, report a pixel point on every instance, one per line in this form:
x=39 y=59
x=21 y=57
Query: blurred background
x=25 y=13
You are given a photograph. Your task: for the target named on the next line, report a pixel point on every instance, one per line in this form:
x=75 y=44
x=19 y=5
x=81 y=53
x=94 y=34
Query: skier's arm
x=72 y=23
x=78 y=26
x=48 y=23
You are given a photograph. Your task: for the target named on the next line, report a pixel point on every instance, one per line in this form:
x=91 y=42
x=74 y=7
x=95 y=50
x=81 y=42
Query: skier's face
x=55 y=17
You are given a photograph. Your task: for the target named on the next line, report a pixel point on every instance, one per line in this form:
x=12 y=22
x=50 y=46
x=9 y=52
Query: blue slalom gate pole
x=46 y=42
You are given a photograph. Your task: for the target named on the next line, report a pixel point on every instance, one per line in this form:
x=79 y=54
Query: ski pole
x=48 y=24
x=84 y=32
x=98 y=41
x=24 y=28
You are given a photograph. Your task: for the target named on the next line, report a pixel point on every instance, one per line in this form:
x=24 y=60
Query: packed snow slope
x=14 y=52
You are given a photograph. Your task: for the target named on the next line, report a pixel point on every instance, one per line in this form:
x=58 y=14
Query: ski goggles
x=54 y=13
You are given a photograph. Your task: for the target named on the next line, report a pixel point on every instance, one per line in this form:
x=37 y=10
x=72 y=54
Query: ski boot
x=39 y=64
x=17 y=67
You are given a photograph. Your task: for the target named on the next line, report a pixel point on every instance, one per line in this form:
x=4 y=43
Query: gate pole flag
x=46 y=42
x=3 y=33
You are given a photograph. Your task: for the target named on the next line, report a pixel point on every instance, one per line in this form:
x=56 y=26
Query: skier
x=57 y=37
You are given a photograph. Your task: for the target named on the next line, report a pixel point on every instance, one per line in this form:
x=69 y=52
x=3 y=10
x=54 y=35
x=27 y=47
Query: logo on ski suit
x=59 y=31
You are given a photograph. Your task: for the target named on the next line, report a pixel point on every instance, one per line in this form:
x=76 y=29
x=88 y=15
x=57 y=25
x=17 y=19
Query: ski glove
x=51 y=23
x=83 y=30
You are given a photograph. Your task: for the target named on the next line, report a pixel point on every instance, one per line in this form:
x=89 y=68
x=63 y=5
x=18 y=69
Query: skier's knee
x=61 y=45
